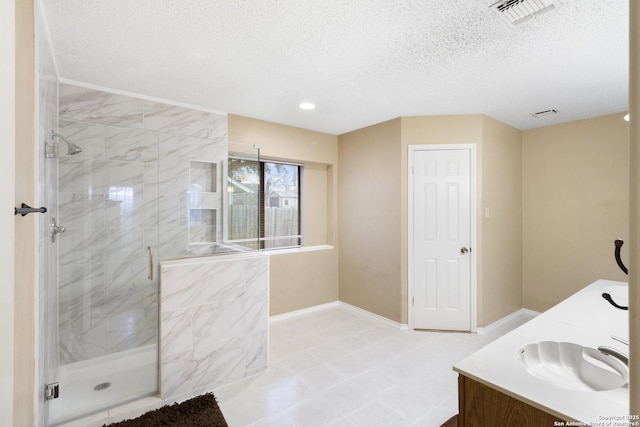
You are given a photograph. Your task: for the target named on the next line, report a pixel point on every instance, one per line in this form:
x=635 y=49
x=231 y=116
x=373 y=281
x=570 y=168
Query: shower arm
x=72 y=148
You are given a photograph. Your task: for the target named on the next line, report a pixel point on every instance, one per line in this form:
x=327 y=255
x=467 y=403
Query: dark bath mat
x=451 y=422
x=201 y=411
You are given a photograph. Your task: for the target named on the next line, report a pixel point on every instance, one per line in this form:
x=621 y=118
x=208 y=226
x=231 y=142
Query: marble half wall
x=214 y=318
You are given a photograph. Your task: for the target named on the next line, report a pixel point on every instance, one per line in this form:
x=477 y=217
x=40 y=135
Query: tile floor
x=338 y=367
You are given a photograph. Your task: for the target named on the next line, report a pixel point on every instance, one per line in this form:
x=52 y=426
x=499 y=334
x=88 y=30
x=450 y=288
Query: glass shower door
x=107 y=290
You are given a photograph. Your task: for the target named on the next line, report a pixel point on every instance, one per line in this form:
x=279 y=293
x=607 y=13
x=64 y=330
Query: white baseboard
x=370 y=315
x=523 y=312
x=337 y=304
x=303 y=311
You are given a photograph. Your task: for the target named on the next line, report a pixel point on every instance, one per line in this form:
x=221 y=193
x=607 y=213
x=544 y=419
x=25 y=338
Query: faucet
x=622 y=340
x=614 y=353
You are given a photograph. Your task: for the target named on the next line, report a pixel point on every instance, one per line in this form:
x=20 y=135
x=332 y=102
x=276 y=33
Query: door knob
x=463 y=250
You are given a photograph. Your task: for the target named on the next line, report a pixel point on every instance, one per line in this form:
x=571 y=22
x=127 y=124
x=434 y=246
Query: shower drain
x=102 y=386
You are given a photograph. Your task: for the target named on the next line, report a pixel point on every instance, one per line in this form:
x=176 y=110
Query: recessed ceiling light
x=307 y=106
x=626 y=117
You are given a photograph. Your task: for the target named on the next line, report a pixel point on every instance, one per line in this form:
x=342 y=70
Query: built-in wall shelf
x=203 y=176
x=204 y=202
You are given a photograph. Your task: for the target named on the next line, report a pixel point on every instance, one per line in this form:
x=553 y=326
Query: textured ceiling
x=360 y=61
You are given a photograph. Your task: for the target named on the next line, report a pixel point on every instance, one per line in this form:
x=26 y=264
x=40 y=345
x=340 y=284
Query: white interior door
x=441 y=239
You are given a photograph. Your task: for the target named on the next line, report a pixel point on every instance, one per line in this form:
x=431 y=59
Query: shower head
x=72 y=148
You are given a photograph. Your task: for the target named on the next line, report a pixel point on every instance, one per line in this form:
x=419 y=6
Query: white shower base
x=133 y=374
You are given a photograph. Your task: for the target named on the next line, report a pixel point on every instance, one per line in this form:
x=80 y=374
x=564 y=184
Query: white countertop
x=585 y=319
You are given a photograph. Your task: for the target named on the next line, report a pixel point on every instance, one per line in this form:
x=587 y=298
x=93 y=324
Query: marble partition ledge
x=214 y=318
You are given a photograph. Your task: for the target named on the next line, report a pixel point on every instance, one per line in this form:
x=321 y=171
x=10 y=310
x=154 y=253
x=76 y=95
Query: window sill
x=285 y=251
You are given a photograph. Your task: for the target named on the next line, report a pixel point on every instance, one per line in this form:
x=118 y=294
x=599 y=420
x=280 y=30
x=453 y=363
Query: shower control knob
x=55 y=230
x=463 y=250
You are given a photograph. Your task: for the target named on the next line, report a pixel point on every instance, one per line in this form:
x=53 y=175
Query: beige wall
x=25 y=227
x=498 y=174
x=284 y=142
x=461 y=129
x=370 y=219
x=502 y=230
x=576 y=203
x=374 y=235
x=7 y=195
x=304 y=279
x=532 y=244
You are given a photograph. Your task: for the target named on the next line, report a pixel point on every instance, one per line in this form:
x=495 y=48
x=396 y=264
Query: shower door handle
x=150 y=277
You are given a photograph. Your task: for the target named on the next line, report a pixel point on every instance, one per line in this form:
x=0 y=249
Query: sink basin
x=571 y=366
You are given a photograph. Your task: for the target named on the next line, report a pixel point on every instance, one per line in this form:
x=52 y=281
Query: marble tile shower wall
x=128 y=189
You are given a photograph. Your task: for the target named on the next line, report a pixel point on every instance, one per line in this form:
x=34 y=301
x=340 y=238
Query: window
x=264 y=203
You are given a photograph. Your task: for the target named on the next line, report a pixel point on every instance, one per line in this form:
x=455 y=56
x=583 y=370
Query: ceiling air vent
x=545 y=113
x=516 y=12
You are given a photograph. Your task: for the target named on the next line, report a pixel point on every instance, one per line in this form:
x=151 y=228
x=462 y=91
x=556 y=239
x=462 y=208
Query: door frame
x=471 y=148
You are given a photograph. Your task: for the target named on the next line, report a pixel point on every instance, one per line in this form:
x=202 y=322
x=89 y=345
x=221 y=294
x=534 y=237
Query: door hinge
x=51 y=150
x=413 y=300
x=51 y=391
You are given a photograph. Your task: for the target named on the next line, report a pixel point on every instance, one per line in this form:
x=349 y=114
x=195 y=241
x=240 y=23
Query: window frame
x=262 y=200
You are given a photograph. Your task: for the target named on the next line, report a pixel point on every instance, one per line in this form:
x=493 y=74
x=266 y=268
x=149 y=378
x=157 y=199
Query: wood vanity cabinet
x=482 y=406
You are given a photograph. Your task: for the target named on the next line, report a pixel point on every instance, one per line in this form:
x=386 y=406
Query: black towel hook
x=26 y=210
x=618 y=243
x=613 y=303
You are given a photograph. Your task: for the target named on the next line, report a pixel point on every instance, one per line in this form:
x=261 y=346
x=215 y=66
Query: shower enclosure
x=130 y=183
x=107 y=204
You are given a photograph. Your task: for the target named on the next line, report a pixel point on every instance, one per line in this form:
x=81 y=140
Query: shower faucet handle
x=56 y=229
